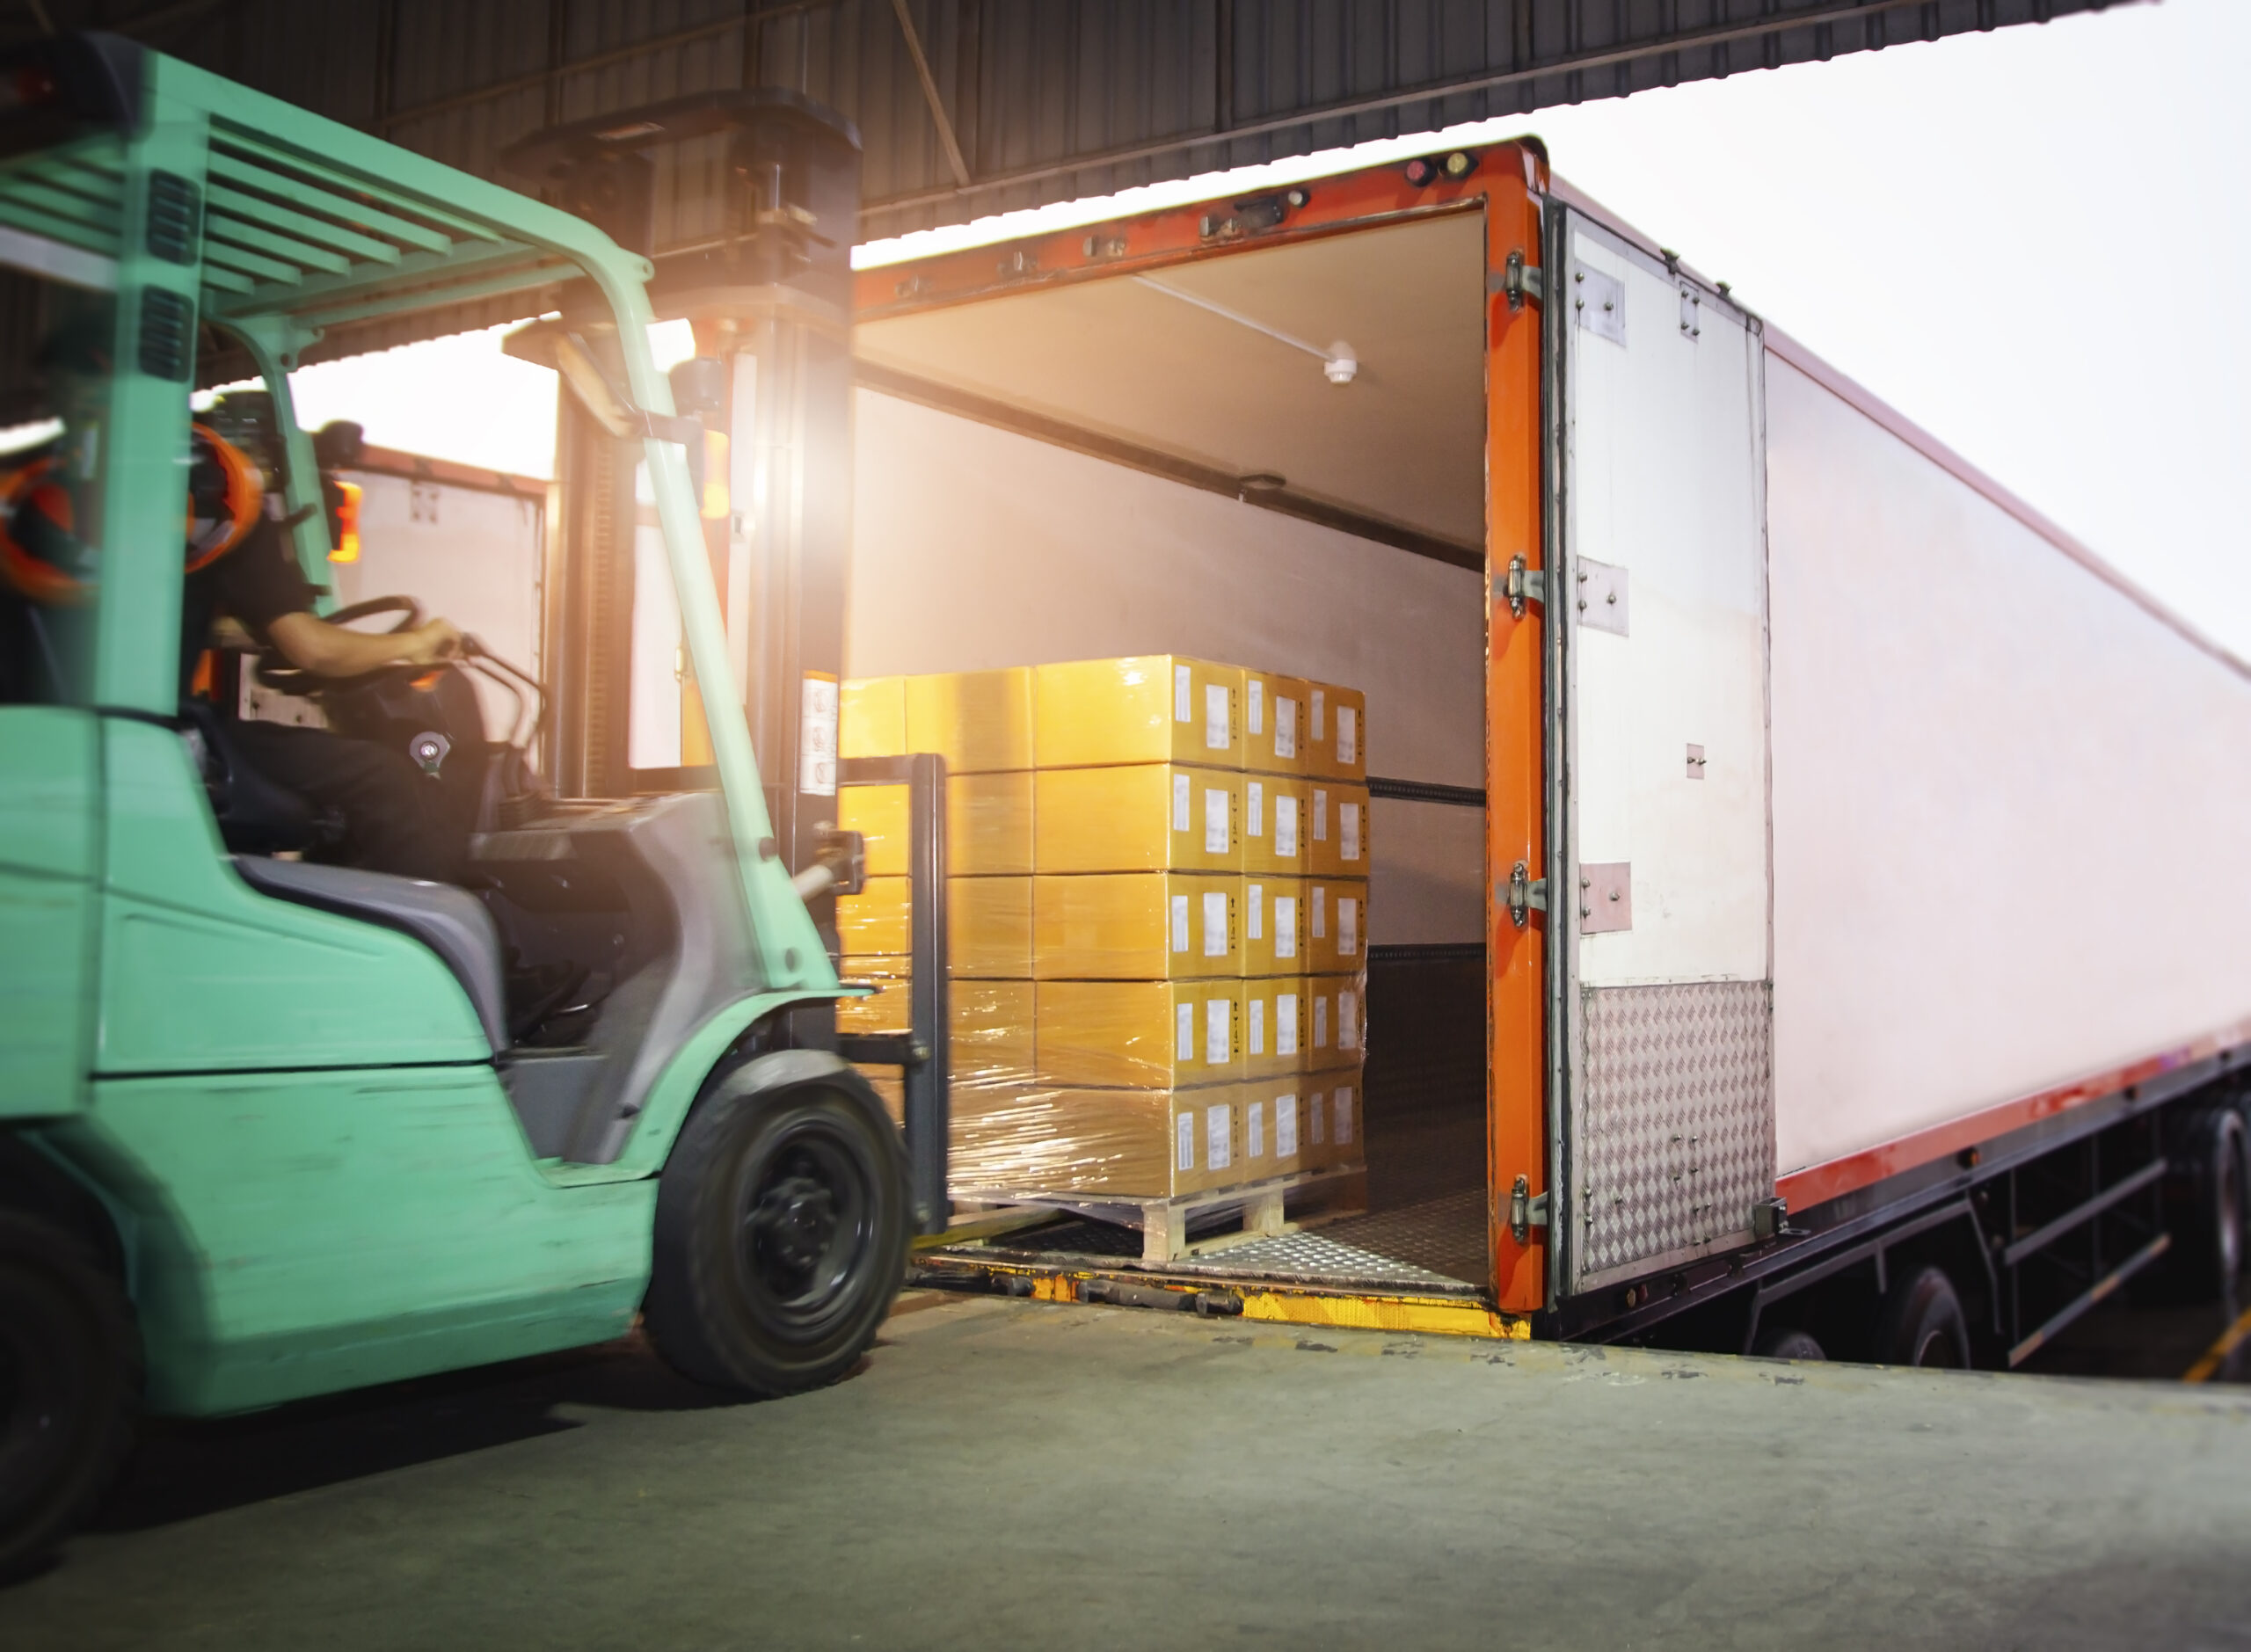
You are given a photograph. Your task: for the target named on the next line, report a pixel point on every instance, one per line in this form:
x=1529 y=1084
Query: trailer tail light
x=347 y=524
x=1422 y=172
x=1458 y=165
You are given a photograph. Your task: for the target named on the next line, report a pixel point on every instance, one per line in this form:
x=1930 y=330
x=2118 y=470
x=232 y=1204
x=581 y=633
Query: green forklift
x=272 y=1125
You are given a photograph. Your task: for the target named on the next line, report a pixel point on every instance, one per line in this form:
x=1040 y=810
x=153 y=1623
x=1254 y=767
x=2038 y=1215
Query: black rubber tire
x=1785 y=1342
x=70 y=1388
x=782 y=1228
x=2217 y=1236
x=1921 y=1324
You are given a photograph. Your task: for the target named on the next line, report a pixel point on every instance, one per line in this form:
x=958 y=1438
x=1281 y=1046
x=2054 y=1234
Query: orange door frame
x=1507 y=183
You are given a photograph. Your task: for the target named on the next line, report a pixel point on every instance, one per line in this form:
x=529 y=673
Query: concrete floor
x=1003 y=1474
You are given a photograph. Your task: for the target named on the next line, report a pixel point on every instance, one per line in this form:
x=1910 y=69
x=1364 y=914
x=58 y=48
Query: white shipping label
x=1348 y=928
x=1180 y=790
x=1343 y=1104
x=1285 y=926
x=1286 y=726
x=1215 y=925
x=1180 y=923
x=1257 y=1019
x=817 y=736
x=1348 y=1020
x=1184 y=1045
x=1217 y=839
x=1319 y=815
x=1321 y=1021
x=1286 y=1125
x=1312 y=1117
x=1286 y=825
x=1348 y=735
x=1319 y=913
x=1219 y=1137
x=1253 y=809
x=1257 y=910
x=1219 y=1032
x=1186 y=1123
x=1217 y=735
x=1254 y=1131
x=1348 y=830
x=1254 y=707
x=1184 y=697
x=1320 y=702
x=1285 y=1023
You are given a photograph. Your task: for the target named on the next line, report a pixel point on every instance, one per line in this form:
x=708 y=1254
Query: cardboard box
x=978 y=721
x=1148 y=1144
x=1135 y=926
x=1150 y=818
x=988 y=925
x=1332 y=1119
x=1145 y=709
x=1274 y=1127
x=872 y=718
x=1275 y=822
x=1338 y=1036
x=991 y=1040
x=1139 y=1035
x=1336 y=724
x=1274 y=918
x=1275 y=1024
x=878 y=814
x=988 y=825
x=1336 y=926
x=1336 y=844
x=1274 y=723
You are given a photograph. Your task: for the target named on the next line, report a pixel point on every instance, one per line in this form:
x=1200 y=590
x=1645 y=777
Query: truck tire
x=2214 y=1240
x=1921 y=1323
x=70 y=1388
x=782 y=1228
x=1784 y=1341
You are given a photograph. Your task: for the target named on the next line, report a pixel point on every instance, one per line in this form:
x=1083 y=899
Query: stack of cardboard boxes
x=1158 y=913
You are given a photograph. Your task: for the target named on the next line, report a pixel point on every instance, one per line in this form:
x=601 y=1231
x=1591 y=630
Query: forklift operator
x=392 y=822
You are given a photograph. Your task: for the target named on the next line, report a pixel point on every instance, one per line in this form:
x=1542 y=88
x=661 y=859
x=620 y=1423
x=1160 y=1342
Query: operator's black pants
x=395 y=818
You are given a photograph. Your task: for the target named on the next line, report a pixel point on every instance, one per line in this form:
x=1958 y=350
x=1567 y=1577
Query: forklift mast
x=768 y=293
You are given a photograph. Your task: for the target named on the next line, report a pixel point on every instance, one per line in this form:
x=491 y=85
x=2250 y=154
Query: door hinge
x=1524 y=894
x=1527 y=1210
x=1521 y=585
x=1519 y=280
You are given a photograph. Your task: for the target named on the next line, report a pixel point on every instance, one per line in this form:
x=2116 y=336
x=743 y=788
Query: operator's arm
x=312 y=643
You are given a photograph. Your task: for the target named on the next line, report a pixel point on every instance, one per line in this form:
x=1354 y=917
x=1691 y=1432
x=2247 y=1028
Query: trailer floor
x=1004 y=1473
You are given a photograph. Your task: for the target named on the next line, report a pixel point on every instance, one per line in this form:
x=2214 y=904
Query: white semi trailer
x=1848 y=861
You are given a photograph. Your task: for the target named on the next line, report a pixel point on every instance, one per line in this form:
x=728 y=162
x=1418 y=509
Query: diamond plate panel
x=1675 y=1138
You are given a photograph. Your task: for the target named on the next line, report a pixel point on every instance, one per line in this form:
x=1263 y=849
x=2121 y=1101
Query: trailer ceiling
x=1024 y=102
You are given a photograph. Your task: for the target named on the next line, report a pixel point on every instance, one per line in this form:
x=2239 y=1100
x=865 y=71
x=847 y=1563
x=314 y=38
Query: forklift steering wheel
x=275 y=672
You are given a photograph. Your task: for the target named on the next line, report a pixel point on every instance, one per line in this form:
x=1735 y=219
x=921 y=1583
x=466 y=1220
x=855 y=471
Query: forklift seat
x=452 y=922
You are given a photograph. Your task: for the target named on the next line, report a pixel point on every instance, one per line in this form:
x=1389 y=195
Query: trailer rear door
x=1661 y=1096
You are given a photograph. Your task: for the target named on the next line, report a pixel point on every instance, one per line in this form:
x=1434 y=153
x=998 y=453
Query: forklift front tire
x=781 y=1227
x=70 y=1388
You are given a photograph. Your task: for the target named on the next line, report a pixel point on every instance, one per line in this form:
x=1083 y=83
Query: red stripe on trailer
x=1818 y=1184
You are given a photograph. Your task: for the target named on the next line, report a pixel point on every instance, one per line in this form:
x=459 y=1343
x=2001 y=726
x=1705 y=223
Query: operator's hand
x=431 y=642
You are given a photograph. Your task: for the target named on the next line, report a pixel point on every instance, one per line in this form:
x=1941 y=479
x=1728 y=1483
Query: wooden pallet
x=1164 y=1223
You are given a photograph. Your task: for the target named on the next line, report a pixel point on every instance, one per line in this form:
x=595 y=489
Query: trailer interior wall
x=2010 y=803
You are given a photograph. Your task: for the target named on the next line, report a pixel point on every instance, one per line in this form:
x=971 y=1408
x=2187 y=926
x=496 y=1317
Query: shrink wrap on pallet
x=1274 y=919
x=1336 y=926
x=1274 y=723
x=1147 y=818
x=991 y=1024
x=988 y=825
x=1337 y=1034
x=989 y=925
x=1147 y=709
x=1275 y=1012
x=978 y=721
x=1337 y=838
x=1332 y=1119
x=1157 y=1035
x=1275 y=1123
x=1127 y=1144
x=1136 y=926
x=872 y=718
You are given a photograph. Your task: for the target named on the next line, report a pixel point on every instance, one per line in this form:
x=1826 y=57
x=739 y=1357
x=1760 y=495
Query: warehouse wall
x=974 y=547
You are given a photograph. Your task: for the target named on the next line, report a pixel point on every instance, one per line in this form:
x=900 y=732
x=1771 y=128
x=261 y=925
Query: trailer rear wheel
x=782 y=1228
x=1784 y=1341
x=70 y=1388
x=2216 y=1261
x=1921 y=1323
